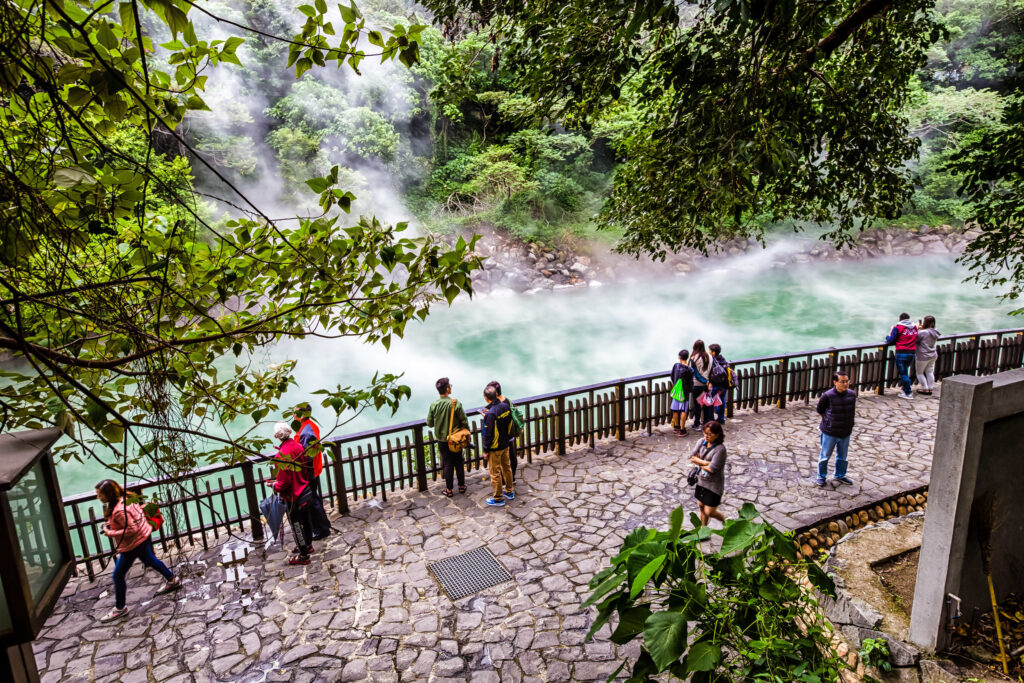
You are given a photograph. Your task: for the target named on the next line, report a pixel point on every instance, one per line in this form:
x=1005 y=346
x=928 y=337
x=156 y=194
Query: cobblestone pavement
x=368 y=608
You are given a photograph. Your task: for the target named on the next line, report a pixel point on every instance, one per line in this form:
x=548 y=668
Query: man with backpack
x=517 y=428
x=444 y=417
x=497 y=434
x=721 y=379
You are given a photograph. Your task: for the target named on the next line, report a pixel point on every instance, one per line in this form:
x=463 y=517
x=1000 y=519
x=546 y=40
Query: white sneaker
x=909 y=397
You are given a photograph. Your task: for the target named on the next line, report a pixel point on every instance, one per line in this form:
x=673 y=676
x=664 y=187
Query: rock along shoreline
x=510 y=263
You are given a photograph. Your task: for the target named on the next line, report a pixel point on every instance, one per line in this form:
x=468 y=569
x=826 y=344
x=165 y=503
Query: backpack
x=518 y=425
x=153 y=516
x=719 y=374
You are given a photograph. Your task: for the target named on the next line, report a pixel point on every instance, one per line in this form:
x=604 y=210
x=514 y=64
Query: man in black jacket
x=497 y=433
x=837 y=408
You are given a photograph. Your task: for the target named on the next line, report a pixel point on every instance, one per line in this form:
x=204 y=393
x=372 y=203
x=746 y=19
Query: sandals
x=462 y=489
x=172 y=585
x=299 y=559
x=447 y=493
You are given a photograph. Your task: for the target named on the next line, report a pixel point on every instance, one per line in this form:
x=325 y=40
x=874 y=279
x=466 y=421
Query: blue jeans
x=142 y=553
x=720 y=410
x=904 y=361
x=833 y=443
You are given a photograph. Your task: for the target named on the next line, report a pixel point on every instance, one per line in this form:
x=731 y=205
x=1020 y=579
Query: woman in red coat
x=291 y=484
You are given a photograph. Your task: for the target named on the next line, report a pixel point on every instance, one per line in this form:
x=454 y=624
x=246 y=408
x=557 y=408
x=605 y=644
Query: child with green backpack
x=681 y=387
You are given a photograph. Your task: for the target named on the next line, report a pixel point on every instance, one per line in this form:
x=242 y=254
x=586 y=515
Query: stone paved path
x=368 y=608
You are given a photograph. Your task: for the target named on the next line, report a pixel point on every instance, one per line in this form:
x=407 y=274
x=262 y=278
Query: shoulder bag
x=459 y=438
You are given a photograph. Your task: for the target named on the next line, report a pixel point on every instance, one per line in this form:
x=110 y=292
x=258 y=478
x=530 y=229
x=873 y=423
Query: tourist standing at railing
x=291 y=465
x=513 y=459
x=838 y=409
x=128 y=527
x=904 y=335
x=497 y=433
x=700 y=363
x=709 y=456
x=307 y=434
x=720 y=379
x=926 y=355
x=445 y=416
x=681 y=386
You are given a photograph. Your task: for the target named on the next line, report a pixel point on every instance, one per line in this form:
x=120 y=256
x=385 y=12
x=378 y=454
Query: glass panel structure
x=36 y=530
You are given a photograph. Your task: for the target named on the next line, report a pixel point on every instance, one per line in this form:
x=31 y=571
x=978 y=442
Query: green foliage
x=742 y=603
x=122 y=303
x=318 y=115
x=770 y=109
x=874 y=652
x=991 y=168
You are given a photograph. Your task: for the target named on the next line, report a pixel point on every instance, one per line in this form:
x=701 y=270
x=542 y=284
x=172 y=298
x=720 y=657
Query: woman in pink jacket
x=130 y=530
x=291 y=465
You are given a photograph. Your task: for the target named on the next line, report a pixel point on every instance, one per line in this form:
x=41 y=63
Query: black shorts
x=706 y=496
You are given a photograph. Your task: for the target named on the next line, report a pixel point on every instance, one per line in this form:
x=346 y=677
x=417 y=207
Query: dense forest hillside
x=453 y=143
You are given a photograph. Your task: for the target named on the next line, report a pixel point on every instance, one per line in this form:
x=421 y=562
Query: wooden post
x=421 y=460
x=620 y=403
x=252 y=500
x=784 y=375
x=339 y=478
x=884 y=363
x=560 y=424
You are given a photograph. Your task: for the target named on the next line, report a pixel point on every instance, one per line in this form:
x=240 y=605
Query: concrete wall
x=979 y=450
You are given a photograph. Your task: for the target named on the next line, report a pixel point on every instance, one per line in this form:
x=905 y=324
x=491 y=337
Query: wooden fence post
x=252 y=500
x=620 y=402
x=884 y=376
x=560 y=424
x=339 y=478
x=783 y=377
x=421 y=460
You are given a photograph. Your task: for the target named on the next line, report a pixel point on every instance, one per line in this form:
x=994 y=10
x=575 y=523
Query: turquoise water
x=539 y=343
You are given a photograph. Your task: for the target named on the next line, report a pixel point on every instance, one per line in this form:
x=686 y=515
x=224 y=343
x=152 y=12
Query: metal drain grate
x=469 y=573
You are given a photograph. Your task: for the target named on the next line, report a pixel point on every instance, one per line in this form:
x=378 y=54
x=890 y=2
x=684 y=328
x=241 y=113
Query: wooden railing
x=204 y=504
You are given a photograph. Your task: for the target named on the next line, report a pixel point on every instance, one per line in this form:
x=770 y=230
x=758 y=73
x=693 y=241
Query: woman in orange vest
x=307 y=433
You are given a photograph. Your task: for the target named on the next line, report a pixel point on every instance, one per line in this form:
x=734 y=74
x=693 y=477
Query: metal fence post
x=620 y=391
x=783 y=381
x=339 y=478
x=421 y=459
x=252 y=500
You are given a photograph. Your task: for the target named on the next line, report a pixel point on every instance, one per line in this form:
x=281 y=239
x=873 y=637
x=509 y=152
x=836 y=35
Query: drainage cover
x=469 y=573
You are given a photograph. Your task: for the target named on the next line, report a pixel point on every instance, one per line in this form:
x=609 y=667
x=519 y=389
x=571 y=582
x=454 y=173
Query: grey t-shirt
x=713 y=481
x=926 y=344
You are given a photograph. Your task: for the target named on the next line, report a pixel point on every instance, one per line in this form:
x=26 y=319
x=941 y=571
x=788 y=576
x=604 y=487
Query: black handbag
x=691 y=478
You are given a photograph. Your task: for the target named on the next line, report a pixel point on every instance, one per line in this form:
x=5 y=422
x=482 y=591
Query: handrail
x=376 y=461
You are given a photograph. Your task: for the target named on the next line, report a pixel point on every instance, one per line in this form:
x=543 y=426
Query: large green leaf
x=665 y=637
x=645 y=575
x=703 y=656
x=738 y=535
x=631 y=623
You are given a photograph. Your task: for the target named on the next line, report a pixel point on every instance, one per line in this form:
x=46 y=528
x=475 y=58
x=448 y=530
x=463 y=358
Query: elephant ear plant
x=736 y=615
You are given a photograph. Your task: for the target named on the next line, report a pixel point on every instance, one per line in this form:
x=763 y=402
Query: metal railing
x=203 y=504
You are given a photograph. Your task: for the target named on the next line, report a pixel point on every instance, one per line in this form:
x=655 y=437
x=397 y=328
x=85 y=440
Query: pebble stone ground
x=367 y=608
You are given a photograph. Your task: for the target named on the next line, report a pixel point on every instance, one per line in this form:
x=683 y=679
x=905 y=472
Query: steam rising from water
x=546 y=342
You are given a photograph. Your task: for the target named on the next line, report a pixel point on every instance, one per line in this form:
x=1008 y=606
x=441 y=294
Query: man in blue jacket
x=497 y=434
x=837 y=408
